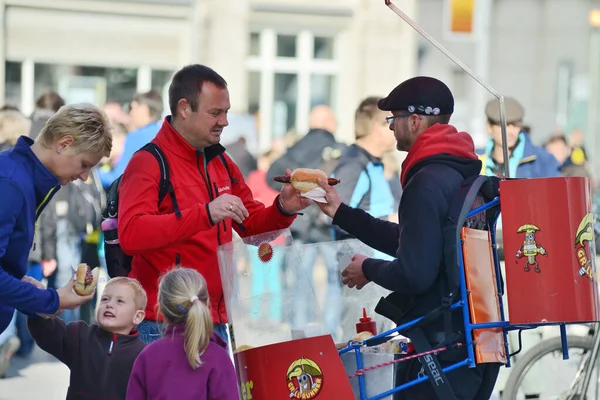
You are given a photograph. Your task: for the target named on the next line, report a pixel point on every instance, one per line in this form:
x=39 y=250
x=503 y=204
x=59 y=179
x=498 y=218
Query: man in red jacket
x=211 y=199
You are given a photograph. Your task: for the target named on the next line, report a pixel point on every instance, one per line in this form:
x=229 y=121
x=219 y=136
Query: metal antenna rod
x=465 y=68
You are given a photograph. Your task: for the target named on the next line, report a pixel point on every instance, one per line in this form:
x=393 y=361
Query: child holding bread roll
x=100 y=356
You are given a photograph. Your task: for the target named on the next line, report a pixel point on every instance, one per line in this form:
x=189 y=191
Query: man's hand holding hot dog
x=332 y=197
x=290 y=199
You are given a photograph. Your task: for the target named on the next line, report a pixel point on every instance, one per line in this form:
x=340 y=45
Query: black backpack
x=117 y=262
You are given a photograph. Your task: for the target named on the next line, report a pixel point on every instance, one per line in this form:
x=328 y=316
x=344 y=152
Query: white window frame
x=304 y=65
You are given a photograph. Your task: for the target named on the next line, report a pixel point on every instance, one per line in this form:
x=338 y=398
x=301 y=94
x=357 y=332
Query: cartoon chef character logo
x=304 y=379
x=584 y=248
x=530 y=248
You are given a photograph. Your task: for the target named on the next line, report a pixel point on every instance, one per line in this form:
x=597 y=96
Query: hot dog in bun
x=305 y=179
x=86 y=280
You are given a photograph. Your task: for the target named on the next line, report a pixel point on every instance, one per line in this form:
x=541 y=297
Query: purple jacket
x=162 y=371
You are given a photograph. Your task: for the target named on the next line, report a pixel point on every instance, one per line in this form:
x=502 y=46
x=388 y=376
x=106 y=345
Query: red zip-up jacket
x=158 y=240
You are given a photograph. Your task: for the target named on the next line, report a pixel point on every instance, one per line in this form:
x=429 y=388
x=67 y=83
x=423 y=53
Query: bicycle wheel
x=537 y=352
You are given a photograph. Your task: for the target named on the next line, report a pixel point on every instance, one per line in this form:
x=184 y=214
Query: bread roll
x=243 y=347
x=85 y=280
x=361 y=337
x=305 y=179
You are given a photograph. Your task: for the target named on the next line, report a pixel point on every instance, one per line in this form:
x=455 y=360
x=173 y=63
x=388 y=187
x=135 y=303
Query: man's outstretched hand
x=332 y=197
x=353 y=275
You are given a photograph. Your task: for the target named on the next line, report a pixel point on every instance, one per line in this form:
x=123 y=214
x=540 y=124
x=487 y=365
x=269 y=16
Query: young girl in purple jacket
x=190 y=361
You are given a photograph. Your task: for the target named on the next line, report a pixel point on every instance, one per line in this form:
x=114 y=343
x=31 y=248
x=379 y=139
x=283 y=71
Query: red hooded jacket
x=158 y=240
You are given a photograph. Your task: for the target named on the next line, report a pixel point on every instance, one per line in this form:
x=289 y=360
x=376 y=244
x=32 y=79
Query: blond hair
x=87 y=124
x=183 y=298
x=141 y=299
x=12 y=125
x=366 y=116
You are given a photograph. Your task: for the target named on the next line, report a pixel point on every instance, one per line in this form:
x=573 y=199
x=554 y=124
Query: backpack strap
x=224 y=161
x=457 y=214
x=165 y=186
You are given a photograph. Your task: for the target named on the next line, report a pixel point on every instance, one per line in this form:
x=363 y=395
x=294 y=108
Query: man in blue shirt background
x=145 y=121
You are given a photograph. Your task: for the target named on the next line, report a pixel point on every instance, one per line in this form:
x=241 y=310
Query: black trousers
x=467 y=383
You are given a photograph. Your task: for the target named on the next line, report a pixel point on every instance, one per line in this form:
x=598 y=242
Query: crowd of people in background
x=68 y=232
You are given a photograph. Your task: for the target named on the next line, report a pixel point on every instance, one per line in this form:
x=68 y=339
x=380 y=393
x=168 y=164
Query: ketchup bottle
x=366 y=324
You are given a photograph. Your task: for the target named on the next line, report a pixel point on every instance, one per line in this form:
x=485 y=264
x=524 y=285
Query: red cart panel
x=548 y=232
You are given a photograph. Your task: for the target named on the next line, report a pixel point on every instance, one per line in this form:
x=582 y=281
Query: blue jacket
x=26 y=186
x=363 y=185
x=133 y=142
x=526 y=161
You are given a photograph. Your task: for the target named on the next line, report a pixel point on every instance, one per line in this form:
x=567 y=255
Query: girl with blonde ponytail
x=190 y=361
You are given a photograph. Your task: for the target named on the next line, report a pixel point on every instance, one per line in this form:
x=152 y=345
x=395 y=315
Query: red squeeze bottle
x=366 y=324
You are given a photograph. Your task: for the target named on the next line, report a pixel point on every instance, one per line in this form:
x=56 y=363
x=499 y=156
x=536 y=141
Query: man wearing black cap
x=525 y=159
x=439 y=160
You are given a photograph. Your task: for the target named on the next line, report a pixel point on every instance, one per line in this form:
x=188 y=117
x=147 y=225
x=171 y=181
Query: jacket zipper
x=207 y=183
x=224 y=223
x=210 y=195
x=219 y=224
x=40 y=207
x=112 y=343
x=210 y=192
x=38 y=211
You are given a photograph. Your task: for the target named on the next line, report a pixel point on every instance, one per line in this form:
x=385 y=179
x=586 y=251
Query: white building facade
x=536 y=51
x=280 y=58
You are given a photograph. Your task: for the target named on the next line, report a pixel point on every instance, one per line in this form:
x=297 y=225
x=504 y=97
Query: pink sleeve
x=222 y=381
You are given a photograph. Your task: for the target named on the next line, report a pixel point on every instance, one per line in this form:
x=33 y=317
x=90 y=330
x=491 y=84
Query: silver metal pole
x=465 y=68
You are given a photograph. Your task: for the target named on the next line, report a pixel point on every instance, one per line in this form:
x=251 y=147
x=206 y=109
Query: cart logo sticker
x=584 y=251
x=304 y=379
x=265 y=252
x=530 y=248
x=246 y=390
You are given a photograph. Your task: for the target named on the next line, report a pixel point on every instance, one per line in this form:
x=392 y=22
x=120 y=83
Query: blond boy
x=100 y=356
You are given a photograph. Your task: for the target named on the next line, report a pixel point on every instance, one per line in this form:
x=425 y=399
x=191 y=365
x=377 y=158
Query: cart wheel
x=546 y=347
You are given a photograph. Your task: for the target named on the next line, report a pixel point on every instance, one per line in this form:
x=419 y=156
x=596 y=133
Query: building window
x=284 y=107
x=288 y=74
x=321 y=89
x=12 y=87
x=161 y=79
x=86 y=84
x=254 y=48
x=286 y=46
x=253 y=92
x=323 y=48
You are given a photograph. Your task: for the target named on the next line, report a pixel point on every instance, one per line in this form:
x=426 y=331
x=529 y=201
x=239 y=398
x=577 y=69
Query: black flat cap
x=513 y=109
x=420 y=95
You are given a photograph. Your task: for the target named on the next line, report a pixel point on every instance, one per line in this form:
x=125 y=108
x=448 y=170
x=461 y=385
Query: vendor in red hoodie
x=439 y=160
x=211 y=195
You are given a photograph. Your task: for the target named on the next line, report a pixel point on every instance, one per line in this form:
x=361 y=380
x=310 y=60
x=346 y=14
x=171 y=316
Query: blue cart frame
x=468 y=326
